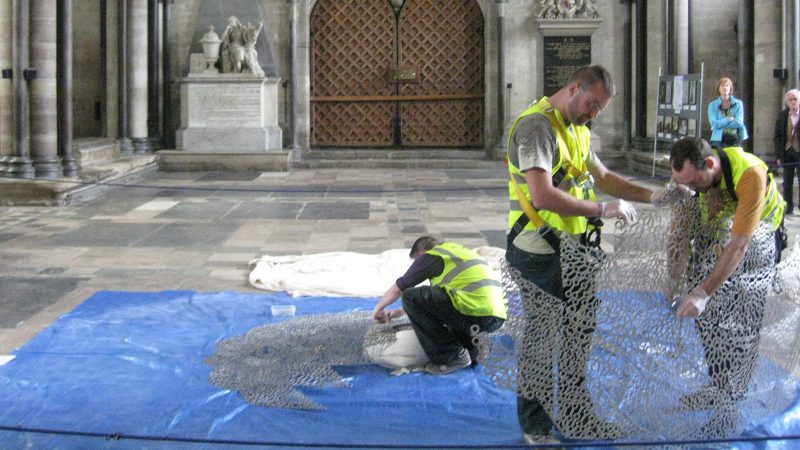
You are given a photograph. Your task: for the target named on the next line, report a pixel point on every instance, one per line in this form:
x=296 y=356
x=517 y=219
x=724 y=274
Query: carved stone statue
x=549 y=10
x=568 y=9
x=239 y=48
x=586 y=9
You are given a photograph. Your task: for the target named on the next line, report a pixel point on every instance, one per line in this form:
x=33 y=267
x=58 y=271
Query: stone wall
x=607 y=50
x=767 y=91
x=112 y=62
x=87 y=59
x=656 y=58
x=714 y=42
x=523 y=61
x=520 y=66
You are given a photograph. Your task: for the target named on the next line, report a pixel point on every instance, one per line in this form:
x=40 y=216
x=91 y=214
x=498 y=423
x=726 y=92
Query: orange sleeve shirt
x=751 y=190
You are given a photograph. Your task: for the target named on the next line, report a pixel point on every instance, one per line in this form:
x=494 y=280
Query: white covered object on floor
x=340 y=274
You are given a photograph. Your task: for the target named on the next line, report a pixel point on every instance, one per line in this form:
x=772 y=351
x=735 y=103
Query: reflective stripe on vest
x=469 y=281
x=573 y=153
x=741 y=161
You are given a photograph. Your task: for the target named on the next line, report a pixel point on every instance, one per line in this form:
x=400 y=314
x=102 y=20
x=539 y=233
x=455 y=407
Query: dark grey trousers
x=442 y=330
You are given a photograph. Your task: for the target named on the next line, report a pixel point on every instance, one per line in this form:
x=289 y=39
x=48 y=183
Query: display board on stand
x=679 y=108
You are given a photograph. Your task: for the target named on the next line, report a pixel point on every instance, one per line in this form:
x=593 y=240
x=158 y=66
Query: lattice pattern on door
x=443 y=40
x=353 y=49
x=357 y=48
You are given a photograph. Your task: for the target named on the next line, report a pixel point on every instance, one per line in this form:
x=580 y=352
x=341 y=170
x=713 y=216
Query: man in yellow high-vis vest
x=727 y=254
x=553 y=173
x=465 y=297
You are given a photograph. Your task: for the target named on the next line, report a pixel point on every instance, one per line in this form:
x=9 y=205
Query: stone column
x=154 y=60
x=44 y=101
x=168 y=136
x=627 y=84
x=20 y=164
x=137 y=75
x=682 y=36
x=6 y=99
x=744 y=89
x=64 y=89
x=669 y=36
x=301 y=80
x=640 y=61
x=792 y=37
x=122 y=78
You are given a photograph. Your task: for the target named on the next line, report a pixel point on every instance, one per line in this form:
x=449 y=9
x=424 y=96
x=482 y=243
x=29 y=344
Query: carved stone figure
x=568 y=9
x=239 y=48
x=586 y=9
x=549 y=10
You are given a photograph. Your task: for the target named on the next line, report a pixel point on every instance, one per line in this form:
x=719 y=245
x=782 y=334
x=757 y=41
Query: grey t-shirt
x=534 y=146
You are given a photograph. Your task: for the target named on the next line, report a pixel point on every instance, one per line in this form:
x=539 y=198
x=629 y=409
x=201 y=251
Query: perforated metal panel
x=381 y=81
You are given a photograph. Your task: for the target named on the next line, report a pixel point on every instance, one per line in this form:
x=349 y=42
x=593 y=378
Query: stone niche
x=229 y=113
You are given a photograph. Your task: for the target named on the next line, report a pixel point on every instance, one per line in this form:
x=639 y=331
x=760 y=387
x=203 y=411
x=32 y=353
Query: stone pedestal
x=229 y=113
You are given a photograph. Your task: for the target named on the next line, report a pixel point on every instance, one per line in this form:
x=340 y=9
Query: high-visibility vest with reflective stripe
x=469 y=281
x=573 y=149
x=773 y=202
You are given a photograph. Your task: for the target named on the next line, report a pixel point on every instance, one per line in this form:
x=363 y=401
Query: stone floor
x=199 y=230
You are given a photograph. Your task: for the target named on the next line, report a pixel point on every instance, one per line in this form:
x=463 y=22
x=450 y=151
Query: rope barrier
x=566 y=444
x=303 y=190
x=267 y=190
x=314 y=191
x=280 y=190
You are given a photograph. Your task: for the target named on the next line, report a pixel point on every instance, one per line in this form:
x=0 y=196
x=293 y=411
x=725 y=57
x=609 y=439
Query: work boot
x=462 y=361
x=540 y=439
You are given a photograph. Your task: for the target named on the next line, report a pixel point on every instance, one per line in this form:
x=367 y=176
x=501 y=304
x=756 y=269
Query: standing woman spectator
x=726 y=117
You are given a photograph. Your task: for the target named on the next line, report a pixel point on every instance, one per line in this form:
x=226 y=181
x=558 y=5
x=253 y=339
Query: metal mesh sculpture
x=610 y=362
x=268 y=362
x=613 y=362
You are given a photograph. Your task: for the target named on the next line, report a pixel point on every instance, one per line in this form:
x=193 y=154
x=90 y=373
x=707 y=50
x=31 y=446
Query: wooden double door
x=412 y=77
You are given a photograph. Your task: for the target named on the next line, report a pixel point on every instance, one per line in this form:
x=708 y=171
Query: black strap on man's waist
x=546 y=232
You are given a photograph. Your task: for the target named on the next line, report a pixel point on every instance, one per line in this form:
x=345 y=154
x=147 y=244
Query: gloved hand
x=672 y=192
x=384 y=316
x=619 y=209
x=395 y=313
x=380 y=316
x=694 y=303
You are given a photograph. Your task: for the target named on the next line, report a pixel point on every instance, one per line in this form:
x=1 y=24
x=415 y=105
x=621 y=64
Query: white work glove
x=694 y=303
x=619 y=209
x=671 y=193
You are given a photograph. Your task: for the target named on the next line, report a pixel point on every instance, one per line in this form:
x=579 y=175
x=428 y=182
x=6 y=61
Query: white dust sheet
x=341 y=274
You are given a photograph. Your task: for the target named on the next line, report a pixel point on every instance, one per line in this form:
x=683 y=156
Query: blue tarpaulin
x=131 y=365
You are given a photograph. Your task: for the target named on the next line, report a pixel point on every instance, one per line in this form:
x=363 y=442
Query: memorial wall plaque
x=563 y=55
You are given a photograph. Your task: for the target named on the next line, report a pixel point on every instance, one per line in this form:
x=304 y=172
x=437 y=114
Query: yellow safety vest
x=573 y=148
x=740 y=162
x=469 y=281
